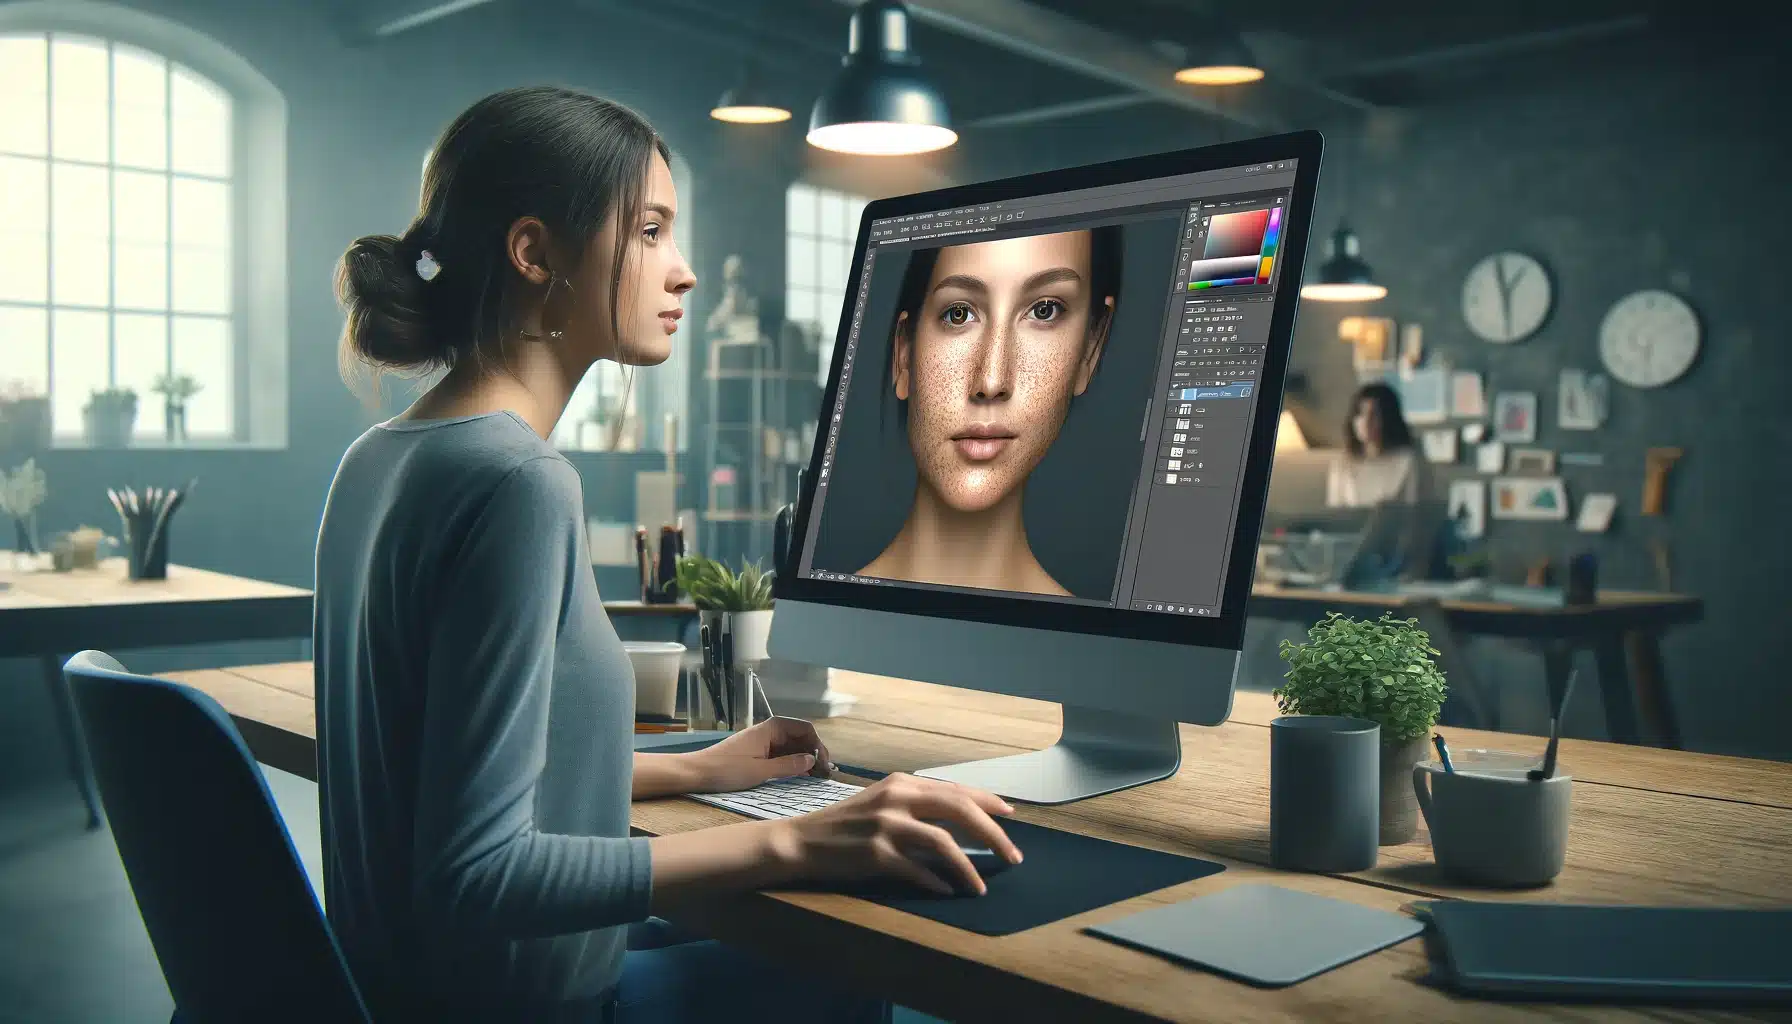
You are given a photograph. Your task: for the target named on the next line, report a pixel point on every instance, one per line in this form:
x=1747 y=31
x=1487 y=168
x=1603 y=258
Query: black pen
x=728 y=672
x=707 y=673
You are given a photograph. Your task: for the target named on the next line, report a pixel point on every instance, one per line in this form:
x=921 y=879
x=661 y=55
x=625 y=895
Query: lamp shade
x=1344 y=277
x=748 y=104
x=1220 y=58
x=880 y=104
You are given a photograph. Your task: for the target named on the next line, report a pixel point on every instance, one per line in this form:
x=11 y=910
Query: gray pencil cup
x=1324 y=793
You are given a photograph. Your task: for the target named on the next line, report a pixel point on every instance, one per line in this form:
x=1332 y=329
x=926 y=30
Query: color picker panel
x=1231 y=235
x=1272 y=234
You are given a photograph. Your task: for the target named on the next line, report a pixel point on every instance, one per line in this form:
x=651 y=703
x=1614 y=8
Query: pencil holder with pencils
x=145 y=517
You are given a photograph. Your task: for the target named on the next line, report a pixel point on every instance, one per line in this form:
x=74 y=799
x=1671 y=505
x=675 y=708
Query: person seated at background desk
x=1380 y=463
x=475 y=707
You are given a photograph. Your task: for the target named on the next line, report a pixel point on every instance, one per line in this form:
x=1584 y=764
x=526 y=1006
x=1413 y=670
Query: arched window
x=658 y=391
x=820 y=227
x=135 y=237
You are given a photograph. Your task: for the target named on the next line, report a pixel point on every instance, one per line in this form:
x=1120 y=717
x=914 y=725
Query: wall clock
x=1649 y=338
x=1506 y=297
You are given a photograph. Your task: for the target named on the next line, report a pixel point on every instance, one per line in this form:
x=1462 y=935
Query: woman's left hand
x=776 y=748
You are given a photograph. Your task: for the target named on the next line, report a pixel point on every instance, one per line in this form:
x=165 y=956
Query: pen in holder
x=145 y=519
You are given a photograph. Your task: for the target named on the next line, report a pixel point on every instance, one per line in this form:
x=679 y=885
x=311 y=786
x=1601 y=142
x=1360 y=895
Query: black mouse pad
x=1063 y=874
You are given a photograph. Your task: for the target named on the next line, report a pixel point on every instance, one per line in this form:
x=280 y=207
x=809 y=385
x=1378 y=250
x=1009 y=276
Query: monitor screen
x=1050 y=398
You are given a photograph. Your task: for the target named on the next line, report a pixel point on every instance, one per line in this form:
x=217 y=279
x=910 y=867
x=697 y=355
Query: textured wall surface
x=1673 y=181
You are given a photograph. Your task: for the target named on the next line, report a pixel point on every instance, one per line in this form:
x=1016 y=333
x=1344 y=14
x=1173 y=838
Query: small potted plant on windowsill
x=24 y=418
x=744 y=598
x=110 y=418
x=21 y=492
x=1381 y=670
x=176 y=389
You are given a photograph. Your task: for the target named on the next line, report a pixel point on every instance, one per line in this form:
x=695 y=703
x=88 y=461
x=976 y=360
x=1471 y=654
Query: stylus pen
x=863 y=773
x=1443 y=753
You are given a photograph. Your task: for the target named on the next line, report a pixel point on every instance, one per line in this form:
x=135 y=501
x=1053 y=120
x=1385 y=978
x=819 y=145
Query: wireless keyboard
x=781 y=798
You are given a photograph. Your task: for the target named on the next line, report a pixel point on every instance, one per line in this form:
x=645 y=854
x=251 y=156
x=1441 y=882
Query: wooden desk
x=1623 y=630
x=51 y=615
x=1651 y=826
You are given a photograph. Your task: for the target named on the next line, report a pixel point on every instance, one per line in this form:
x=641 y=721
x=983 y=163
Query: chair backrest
x=223 y=894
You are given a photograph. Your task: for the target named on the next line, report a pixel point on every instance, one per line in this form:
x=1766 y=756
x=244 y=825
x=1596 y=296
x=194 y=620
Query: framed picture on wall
x=1515 y=417
x=1529 y=497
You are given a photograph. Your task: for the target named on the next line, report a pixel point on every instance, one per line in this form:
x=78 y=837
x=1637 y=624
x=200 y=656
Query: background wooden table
x=1650 y=826
x=1623 y=631
x=51 y=615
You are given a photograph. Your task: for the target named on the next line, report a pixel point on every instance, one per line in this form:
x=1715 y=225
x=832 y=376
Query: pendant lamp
x=1344 y=276
x=1220 y=58
x=746 y=103
x=880 y=104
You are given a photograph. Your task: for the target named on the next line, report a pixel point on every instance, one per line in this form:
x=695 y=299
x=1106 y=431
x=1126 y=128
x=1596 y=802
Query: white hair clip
x=427 y=267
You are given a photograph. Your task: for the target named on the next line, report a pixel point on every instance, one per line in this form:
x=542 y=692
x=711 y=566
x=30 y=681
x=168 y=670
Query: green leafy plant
x=712 y=586
x=1381 y=670
x=176 y=387
x=23 y=490
x=118 y=400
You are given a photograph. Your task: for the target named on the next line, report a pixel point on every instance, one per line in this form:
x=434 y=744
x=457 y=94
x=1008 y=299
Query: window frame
x=855 y=208
x=258 y=294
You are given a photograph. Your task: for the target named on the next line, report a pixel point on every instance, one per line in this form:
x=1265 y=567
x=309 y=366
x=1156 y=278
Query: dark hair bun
x=384 y=298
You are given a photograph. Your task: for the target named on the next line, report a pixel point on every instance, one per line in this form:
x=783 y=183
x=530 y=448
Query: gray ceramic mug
x=1494 y=826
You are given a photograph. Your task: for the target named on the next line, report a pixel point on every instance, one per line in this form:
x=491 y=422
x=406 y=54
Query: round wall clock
x=1506 y=297
x=1649 y=338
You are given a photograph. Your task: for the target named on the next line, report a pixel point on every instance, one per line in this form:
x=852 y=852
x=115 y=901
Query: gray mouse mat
x=1262 y=934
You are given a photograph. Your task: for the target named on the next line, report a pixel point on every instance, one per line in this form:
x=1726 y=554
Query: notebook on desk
x=1613 y=953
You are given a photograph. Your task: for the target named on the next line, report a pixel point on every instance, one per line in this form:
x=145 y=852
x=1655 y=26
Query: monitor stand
x=1098 y=752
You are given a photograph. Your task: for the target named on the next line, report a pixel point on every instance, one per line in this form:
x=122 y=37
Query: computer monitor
x=1045 y=444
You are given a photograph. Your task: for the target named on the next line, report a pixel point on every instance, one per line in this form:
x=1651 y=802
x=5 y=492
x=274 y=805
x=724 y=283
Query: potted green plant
x=24 y=417
x=110 y=417
x=176 y=389
x=744 y=598
x=1381 y=670
x=21 y=492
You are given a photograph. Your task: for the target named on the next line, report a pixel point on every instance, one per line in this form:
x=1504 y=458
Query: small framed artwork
x=1490 y=458
x=1424 y=397
x=1468 y=507
x=1468 y=400
x=1440 y=445
x=1515 y=416
x=1596 y=513
x=1531 y=462
x=1530 y=497
x=1474 y=433
x=1582 y=400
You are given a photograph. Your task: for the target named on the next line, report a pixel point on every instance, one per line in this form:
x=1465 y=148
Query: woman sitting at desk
x=1380 y=463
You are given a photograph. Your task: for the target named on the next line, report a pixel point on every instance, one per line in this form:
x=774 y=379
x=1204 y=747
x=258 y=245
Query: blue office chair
x=235 y=924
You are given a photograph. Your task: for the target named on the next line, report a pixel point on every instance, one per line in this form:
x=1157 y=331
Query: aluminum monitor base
x=1098 y=752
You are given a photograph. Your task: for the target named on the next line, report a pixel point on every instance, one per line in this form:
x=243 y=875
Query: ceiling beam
x=1502 y=46
x=386 y=19
x=1048 y=37
x=1055 y=111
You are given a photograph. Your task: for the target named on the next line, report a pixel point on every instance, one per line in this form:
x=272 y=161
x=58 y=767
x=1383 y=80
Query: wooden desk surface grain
x=54 y=614
x=1650 y=826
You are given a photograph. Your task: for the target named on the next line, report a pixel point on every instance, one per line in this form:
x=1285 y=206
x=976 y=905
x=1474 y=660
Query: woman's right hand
x=888 y=831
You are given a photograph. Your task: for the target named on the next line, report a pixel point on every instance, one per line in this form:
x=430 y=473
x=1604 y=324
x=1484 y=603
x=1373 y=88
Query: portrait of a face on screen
x=990 y=347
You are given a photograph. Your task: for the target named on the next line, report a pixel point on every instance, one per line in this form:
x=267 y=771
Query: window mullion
x=111 y=216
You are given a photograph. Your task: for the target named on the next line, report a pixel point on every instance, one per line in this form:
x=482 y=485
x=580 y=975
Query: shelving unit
x=751 y=430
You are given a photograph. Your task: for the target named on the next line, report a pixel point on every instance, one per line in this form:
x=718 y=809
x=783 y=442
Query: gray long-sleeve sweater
x=475 y=726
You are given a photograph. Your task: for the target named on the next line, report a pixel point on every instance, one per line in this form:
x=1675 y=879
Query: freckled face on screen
x=1008 y=334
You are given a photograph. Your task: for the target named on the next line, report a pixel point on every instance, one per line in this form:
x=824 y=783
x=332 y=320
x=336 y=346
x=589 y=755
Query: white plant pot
x=751 y=631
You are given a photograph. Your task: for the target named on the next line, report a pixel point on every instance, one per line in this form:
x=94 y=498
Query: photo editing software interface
x=1217 y=294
